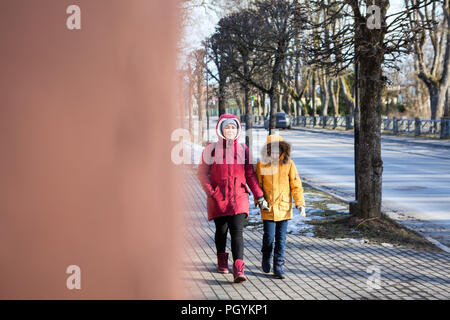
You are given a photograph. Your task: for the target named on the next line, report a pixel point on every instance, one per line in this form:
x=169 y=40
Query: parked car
x=283 y=121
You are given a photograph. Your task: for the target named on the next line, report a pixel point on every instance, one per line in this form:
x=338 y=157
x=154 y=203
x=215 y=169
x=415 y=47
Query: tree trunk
x=287 y=101
x=313 y=94
x=248 y=107
x=273 y=111
x=280 y=100
x=447 y=102
x=307 y=102
x=440 y=103
x=221 y=97
x=199 y=99
x=324 y=95
x=263 y=104
x=298 y=111
x=239 y=97
x=433 y=91
x=274 y=91
x=258 y=104
x=347 y=94
x=424 y=100
x=288 y=98
x=436 y=93
x=207 y=109
x=369 y=171
x=334 y=95
x=201 y=121
x=370 y=167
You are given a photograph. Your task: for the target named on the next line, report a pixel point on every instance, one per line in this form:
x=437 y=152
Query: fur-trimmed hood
x=275 y=142
x=222 y=119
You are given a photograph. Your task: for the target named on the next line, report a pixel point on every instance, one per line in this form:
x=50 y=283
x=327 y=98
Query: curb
x=383 y=137
x=346 y=200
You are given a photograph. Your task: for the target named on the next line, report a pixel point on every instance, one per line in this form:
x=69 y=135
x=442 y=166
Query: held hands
x=302 y=211
x=262 y=203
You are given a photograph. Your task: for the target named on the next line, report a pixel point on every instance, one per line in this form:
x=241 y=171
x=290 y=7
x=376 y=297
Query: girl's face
x=274 y=156
x=230 y=131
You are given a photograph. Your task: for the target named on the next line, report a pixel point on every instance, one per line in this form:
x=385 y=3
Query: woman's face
x=230 y=131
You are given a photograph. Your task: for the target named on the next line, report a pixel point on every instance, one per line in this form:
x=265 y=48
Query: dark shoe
x=222 y=262
x=278 y=264
x=238 y=271
x=265 y=264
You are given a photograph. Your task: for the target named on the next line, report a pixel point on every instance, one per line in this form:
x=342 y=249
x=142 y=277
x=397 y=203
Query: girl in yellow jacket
x=280 y=182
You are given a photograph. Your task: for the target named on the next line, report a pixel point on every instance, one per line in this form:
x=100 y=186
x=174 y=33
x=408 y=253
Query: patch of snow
x=313 y=197
x=353 y=240
x=336 y=207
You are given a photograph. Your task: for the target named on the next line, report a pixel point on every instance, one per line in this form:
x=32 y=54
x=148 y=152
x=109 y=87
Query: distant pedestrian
x=224 y=172
x=280 y=181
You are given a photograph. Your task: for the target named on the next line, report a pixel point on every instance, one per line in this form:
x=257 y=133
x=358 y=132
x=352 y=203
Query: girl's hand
x=302 y=211
x=262 y=203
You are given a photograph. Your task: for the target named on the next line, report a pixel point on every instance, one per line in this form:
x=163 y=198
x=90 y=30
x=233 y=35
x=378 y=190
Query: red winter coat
x=224 y=174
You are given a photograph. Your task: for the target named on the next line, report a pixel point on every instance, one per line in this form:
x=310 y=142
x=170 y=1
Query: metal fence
x=416 y=127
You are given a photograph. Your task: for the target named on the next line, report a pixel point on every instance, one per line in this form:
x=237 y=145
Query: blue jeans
x=275 y=231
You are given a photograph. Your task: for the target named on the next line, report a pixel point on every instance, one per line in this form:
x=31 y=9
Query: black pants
x=236 y=225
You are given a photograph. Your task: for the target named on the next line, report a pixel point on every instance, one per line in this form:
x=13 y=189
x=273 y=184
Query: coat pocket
x=285 y=204
x=247 y=190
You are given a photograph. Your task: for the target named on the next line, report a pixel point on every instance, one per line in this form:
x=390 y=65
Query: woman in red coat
x=224 y=173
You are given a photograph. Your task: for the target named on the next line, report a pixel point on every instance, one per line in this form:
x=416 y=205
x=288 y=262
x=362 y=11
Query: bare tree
x=217 y=45
x=422 y=17
x=368 y=42
x=301 y=79
x=241 y=31
x=278 y=22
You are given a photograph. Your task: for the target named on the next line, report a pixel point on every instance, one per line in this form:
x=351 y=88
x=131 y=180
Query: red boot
x=238 y=271
x=222 y=262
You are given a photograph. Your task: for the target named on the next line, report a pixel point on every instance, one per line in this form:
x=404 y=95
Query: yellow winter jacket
x=280 y=182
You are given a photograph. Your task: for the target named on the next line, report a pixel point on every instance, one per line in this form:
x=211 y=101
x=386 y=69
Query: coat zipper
x=225 y=190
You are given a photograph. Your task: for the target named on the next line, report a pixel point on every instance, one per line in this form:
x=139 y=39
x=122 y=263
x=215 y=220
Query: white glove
x=302 y=211
x=262 y=203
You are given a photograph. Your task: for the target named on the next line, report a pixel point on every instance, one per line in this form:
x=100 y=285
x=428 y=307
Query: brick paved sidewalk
x=315 y=268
